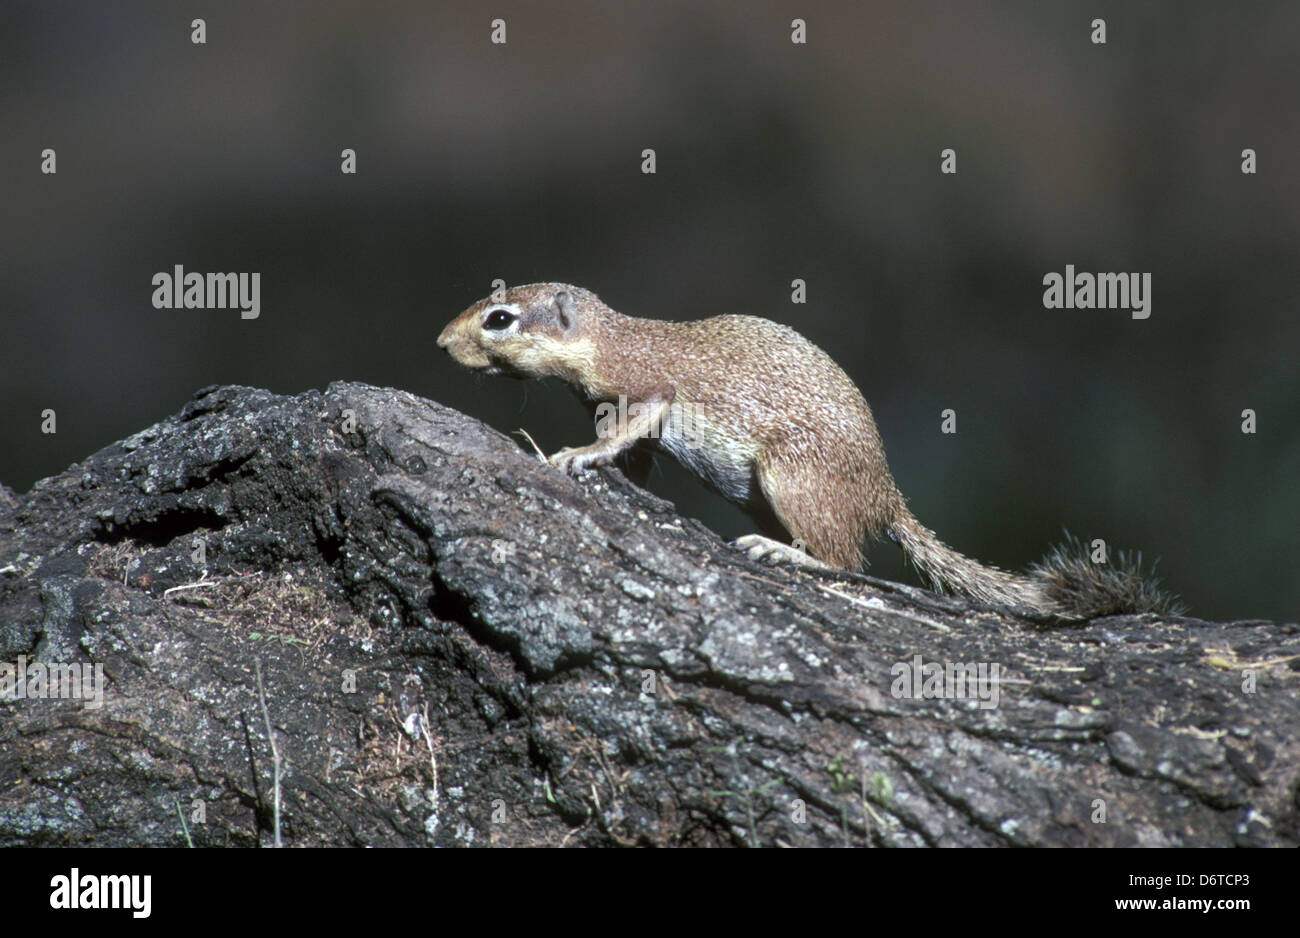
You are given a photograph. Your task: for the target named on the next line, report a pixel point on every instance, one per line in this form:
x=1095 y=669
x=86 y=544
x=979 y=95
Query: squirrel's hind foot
x=764 y=549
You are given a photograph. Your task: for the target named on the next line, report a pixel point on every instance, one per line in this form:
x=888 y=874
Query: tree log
x=462 y=646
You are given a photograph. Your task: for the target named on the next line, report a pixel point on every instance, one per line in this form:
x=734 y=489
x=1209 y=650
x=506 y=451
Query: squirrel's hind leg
x=799 y=495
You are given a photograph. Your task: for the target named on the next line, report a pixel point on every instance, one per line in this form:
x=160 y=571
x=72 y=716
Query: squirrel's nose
x=445 y=339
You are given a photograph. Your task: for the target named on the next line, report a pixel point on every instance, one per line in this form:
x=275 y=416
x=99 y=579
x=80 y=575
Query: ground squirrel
x=766 y=419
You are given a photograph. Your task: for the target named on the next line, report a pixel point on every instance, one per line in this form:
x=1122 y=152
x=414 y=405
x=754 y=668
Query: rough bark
x=542 y=660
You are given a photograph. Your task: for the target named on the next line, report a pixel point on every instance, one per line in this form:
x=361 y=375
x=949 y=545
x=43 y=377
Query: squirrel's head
x=536 y=331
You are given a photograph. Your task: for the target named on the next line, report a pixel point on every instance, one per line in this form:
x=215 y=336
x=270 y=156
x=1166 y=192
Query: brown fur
x=784 y=432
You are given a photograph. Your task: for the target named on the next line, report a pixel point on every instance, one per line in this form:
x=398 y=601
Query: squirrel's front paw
x=574 y=459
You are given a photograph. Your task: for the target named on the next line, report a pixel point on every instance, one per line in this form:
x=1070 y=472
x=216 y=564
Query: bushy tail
x=1085 y=589
x=1064 y=583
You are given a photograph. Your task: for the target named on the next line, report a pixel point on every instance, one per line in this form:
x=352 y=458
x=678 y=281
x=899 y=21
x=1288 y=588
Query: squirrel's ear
x=566 y=311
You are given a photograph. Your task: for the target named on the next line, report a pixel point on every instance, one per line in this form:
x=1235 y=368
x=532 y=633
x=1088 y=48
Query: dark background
x=775 y=161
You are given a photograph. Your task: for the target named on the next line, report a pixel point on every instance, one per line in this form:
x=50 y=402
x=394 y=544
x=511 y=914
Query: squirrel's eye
x=498 y=319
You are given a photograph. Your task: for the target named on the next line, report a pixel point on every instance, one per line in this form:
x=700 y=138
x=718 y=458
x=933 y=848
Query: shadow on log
x=461 y=646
